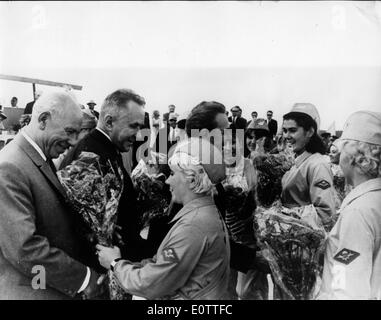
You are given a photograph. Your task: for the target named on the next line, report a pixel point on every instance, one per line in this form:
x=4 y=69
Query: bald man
x=40 y=254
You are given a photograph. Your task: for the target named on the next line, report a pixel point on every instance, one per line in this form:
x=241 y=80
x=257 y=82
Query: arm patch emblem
x=346 y=256
x=169 y=255
x=322 y=184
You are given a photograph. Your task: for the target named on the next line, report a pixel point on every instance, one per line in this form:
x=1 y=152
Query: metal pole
x=34 y=90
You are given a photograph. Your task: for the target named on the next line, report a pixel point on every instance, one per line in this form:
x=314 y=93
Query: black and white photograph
x=190 y=150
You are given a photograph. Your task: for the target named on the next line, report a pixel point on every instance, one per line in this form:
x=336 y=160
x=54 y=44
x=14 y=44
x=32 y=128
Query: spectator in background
x=14 y=101
x=180 y=133
x=272 y=124
x=91 y=104
x=326 y=137
x=29 y=106
x=168 y=133
x=156 y=121
x=254 y=117
x=236 y=120
x=136 y=156
x=2 y=118
x=24 y=120
x=257 y=139
x=89 y=122
x=156 y=124
x=171 y=109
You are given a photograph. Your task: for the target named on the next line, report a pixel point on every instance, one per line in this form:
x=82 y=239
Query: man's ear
x=42 y=118
x=108 y=122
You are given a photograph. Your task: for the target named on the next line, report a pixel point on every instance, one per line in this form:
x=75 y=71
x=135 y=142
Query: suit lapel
x=42 y=165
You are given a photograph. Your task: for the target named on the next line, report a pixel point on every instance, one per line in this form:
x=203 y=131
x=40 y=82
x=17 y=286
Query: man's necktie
x=52 y=166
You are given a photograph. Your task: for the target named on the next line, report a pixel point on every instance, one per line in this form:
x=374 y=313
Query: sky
x=259 y=55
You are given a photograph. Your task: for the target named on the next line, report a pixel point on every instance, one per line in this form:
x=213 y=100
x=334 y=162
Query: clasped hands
x=106 y=255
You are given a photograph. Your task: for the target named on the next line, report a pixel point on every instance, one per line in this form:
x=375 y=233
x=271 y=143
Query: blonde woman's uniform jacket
x=352 y=262
x=192 y=261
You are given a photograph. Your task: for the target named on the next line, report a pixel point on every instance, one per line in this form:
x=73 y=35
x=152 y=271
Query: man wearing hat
x=352 y=262
x=236 y=120
x=91 y=105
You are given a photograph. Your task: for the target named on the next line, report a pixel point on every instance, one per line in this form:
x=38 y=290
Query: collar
x=33 y=144
x=104 y=133
x=300 y=159
x=361 y=189
x=193 y=205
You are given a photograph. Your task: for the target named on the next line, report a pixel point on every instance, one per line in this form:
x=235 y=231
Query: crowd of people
x=205 y=246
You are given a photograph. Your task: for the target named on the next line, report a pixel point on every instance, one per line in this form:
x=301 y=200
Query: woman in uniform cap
x=352 y=262
x=192 y=261
x=310 y=180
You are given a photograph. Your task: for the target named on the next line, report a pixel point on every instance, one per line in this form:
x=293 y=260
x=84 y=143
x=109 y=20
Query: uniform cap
x=209 y=156
x=91 y=102
x=309 y=109
x=363 y=126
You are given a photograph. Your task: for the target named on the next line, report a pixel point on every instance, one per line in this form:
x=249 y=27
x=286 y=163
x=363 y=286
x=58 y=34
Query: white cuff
x=86 y=281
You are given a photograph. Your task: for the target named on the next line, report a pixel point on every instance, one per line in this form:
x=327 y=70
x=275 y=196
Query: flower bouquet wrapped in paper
x=239 y=201
x=292 y=241
x=94 y=191
x=270 y=170
x=153 y=195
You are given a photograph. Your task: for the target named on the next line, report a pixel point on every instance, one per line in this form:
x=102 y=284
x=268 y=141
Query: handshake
x=97 y=289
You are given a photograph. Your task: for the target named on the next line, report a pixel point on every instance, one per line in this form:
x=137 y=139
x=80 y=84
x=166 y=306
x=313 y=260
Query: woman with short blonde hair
x=193 y=260
x=352 y=262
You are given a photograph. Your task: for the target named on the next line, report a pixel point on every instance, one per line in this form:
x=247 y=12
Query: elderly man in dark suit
x=37 y=237
x=121 y=117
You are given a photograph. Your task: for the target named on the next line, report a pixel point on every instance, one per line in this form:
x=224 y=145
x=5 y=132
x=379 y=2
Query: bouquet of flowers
x=292 y=241
x=239 y=204
x=153 y=195
x=270 y=169
x=94 y=191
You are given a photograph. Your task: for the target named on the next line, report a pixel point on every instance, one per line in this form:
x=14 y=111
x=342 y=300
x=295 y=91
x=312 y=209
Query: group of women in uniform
x=193 y=259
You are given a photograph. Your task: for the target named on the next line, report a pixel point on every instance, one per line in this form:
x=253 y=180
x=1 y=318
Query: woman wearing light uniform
x=193 y=260
x=352 y=262
x=310 y=180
